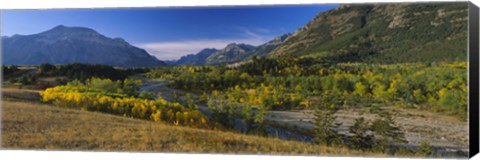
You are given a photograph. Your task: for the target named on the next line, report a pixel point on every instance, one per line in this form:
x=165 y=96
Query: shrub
x=93 y=97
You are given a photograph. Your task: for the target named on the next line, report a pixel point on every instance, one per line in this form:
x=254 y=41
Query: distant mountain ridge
x=232 y=53
x=196 y=59
x=268 y=47
x=64 y=45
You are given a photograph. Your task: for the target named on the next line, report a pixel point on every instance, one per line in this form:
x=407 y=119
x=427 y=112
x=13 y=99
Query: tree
x=324 y=133
x=325 y=121
x=24 y=80
x=7 y=70
x=176 y=97
x=360 y=138
x=386 y=132
x=190 y=101
x=360 y=89
x=418 y=96
x=131 y=87
x=45 y=68
x=106 y=85
x=453 y=101
x=203 y=97
x=392 y=90
x=246 y=77
x=379 y=92
x=146 y=95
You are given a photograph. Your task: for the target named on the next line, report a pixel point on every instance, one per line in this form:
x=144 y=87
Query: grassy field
x=27 y=124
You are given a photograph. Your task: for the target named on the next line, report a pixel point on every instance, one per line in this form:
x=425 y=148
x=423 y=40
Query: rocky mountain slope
x=384 y=33
x=266 y=48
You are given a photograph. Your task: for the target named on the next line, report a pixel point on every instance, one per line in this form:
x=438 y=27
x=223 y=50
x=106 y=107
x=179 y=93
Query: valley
x=27 y=125
x=292 y=125
x=441 y=130
x=361 y=79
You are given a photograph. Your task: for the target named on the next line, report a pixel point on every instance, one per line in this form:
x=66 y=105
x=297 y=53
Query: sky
x=169 y=33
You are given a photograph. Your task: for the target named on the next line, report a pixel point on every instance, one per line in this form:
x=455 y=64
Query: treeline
x=83 y=72
x=14 y=74
x=438 y=87
x=250 y=105
x=10 y=69
x=247 y=92
x=121 y=98
x=75 y=71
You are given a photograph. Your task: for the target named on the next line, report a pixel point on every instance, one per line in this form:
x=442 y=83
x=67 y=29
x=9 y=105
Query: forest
x=249 y=91
x=285 y=84
x=246 y=93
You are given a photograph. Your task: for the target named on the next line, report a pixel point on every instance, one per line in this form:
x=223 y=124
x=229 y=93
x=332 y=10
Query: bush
x=93 y=96
x=425 y=149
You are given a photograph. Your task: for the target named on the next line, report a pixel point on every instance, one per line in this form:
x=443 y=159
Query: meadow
x=47 y=127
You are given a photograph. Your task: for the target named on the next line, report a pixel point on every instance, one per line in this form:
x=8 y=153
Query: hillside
x=41 y=126
x=64 y=45
x=384 y=33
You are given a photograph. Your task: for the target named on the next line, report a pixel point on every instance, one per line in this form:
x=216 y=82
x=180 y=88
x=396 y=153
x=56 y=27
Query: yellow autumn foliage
x=155 y=110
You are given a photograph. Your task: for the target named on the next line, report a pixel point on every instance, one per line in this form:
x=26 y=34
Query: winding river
x=276 y=123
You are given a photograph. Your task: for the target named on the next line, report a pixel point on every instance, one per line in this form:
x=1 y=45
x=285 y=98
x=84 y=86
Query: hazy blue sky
x=169 y=33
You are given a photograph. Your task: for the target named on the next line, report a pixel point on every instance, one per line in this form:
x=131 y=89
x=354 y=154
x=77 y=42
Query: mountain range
x=196 y=59
x=369 y=33
x=232 y=53
x=372 y=33
x=64 y=45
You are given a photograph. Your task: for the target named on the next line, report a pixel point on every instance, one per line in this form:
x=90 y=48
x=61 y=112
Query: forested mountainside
x=383 y=33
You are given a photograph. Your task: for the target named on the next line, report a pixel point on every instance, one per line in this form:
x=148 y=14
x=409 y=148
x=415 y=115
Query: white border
x=74 y=155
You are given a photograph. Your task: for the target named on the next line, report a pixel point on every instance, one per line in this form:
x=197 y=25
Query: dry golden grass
x=31 y=125
x=15 y=94
x=37 y=126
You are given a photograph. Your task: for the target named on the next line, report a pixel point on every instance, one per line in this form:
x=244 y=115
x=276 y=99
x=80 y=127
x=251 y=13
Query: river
x=288 y=125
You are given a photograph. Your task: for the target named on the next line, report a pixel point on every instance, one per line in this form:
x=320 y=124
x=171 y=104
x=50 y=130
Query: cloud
x=176 y=49
x=256 y=32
